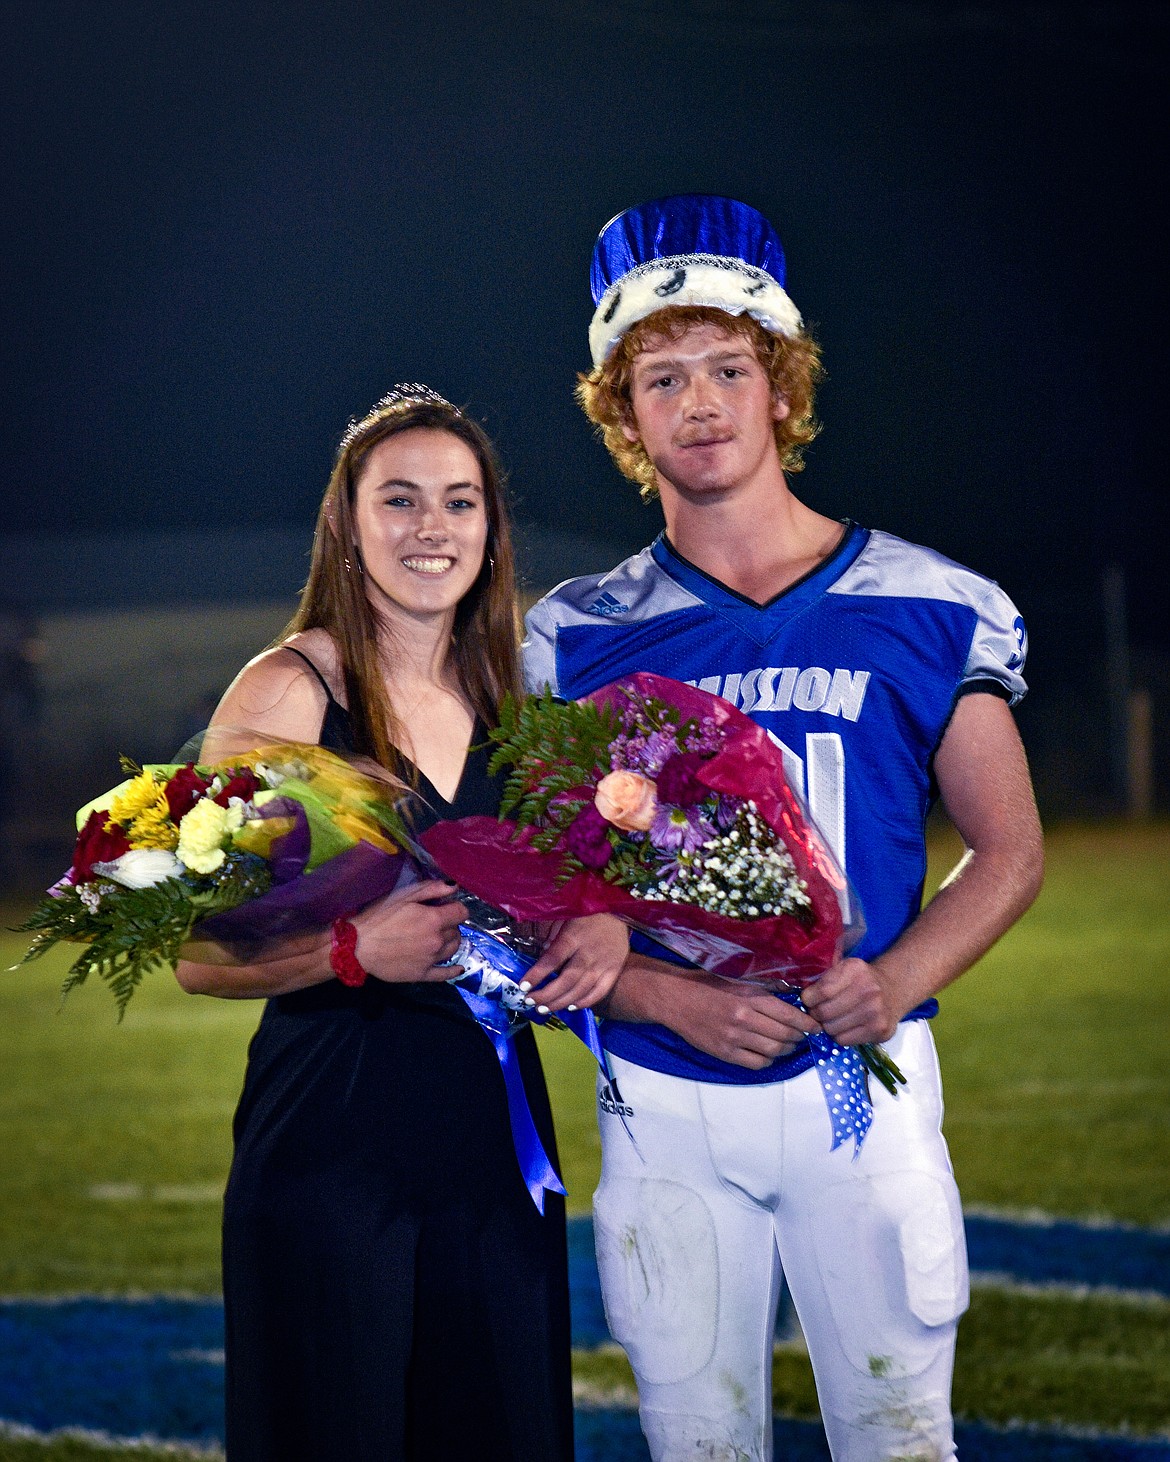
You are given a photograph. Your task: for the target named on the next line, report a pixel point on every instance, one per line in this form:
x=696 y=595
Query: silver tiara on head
x=409 y=393
x=403 y=393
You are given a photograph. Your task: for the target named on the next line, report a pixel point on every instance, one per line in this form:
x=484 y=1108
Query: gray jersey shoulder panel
x=638 y=589
x=892 y=568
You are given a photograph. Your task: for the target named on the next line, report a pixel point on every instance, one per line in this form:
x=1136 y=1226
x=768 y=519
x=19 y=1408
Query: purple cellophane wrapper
x=291 y=852
x=341 y=886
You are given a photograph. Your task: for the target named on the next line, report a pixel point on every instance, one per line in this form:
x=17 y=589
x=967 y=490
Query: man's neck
x=757 y=542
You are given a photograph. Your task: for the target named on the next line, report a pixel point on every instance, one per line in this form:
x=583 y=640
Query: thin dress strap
x=336 y=726
x=324 y=683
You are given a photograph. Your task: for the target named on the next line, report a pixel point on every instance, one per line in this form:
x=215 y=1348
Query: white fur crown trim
x=689 y=279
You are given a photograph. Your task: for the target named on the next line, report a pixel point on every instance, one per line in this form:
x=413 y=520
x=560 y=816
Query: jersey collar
x=753 y=617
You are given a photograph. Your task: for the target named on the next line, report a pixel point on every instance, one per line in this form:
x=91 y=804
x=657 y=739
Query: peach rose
x=627 y=800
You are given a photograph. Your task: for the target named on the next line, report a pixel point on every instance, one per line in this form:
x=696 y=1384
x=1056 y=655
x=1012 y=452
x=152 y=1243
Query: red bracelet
x=343 y=960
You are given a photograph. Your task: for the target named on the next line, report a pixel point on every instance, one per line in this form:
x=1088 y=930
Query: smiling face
x=703 y=408
x=420 y=520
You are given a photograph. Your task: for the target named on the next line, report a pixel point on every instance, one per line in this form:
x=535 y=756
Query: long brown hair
x=792 y=365
x=486 y=633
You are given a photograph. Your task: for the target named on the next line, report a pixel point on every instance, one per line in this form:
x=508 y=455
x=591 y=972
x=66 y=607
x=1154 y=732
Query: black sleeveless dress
x=391 y=1293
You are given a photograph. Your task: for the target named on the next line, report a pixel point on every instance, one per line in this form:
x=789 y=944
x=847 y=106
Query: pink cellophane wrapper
x=495 y=862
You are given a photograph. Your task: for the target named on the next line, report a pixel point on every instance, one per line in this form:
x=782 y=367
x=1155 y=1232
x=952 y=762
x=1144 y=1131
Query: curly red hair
x=792 y=365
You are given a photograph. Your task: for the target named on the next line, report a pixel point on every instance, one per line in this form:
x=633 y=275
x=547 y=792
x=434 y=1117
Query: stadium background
x=227 y=230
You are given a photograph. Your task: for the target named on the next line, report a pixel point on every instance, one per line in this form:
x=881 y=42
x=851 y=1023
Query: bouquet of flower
x=662 y=804
x=237 y=853
x=275 y=840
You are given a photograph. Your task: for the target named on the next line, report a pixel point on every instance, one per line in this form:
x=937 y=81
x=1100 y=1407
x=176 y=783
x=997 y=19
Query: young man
x=886 y=673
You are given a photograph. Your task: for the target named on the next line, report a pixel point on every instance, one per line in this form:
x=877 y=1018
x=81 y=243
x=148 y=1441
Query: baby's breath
x=744 y=873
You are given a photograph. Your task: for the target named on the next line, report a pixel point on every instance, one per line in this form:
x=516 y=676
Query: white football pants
x=728 y=1183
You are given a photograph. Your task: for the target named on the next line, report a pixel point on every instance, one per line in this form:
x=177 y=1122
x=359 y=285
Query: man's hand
x=738 y=1023
x=853 y=1003
x=588 y=955
x=746 y=1029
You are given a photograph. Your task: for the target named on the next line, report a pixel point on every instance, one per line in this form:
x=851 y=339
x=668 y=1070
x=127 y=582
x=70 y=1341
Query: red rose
x=183 y=791
x=242 y=784
x=99 y=841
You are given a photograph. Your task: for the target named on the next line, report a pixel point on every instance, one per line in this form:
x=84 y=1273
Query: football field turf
x=115 y=1142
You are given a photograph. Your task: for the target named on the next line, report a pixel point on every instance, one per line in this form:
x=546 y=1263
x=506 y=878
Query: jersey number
x=819 y=778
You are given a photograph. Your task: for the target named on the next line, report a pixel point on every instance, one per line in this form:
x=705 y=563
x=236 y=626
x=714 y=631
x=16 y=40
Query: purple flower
x=678 y=782
x=660 y=747
x=631 y=754
x=727 y=812
x=682 y=829
x=705 y=737
x=620 y=754
x=587 y=838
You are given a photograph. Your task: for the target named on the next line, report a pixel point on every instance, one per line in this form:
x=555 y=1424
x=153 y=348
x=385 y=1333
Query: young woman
x=391 y=1291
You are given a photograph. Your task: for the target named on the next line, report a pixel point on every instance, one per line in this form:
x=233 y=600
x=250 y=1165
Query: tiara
x=410 y=393
x=403 y=393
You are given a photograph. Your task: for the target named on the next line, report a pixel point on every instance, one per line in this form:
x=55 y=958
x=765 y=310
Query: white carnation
x=141 y=867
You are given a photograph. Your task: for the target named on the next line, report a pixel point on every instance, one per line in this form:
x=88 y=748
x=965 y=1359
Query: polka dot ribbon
x=846 y=1088
x=845 y=1083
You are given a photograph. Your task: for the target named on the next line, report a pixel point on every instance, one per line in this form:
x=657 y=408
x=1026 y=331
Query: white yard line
x=1054 y=1288
x=156 y=1193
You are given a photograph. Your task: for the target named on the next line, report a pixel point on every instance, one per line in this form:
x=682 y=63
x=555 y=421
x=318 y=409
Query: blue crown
x=691 y=249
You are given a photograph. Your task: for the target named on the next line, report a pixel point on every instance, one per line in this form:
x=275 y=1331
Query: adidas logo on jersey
x=787 y=688
x=608 y=1101
x=606 y=604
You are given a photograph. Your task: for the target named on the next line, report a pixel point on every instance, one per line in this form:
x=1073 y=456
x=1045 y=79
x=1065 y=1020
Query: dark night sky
x=230 y=226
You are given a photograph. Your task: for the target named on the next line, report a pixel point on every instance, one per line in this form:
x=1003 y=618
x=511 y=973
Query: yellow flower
x=141 y=794
x=203 y=833
x=153 y=828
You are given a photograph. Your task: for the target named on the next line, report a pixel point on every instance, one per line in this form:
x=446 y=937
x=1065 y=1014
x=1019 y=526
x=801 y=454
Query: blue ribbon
x=845 y=1084
x=846 y=1088
x=490 y=989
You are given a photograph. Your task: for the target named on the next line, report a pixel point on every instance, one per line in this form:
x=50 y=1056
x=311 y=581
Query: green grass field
x=116 y=1138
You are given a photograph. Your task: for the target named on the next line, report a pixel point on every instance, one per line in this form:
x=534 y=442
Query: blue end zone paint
x=135 y=1368
x=1070 y=1253
x=113 y=1366
x=586 y=1309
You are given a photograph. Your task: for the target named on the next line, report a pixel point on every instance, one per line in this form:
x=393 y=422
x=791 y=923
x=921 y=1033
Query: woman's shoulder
x=285 y=689
x=314 y=653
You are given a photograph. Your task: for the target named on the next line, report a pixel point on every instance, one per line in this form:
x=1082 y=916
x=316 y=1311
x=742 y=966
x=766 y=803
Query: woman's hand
x=588 y=955
x=407 y=935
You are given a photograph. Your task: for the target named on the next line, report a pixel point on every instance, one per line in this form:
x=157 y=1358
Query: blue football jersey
x=854 y=671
